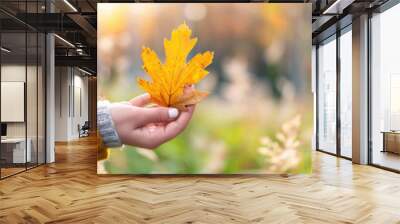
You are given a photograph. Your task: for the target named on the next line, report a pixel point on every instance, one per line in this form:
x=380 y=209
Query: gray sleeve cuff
x=106 y=126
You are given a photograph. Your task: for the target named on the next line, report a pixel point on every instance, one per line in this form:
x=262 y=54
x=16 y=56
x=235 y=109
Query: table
x=17 y=150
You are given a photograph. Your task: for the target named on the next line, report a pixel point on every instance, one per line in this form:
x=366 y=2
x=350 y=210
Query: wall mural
x=204 y=88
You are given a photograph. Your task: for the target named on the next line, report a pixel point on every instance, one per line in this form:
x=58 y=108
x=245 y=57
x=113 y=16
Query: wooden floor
x=10 y=171
x=69 y=191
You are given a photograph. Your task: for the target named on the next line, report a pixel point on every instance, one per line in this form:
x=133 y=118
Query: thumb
x=157 y=115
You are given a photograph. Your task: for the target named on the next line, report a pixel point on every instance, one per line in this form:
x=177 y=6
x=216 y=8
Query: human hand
x=148 y=127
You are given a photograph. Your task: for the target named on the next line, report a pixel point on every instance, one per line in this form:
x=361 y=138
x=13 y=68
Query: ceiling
x=76 y=22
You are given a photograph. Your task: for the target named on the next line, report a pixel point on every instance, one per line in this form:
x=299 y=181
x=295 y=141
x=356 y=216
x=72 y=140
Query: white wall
x=71 y=94
x=62 y=81
x=81 y=100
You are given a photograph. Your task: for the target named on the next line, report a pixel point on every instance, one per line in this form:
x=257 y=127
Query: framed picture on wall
x=12 y=101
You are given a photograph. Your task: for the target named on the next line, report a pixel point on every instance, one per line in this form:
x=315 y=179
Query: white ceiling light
x=337 y=7
x=65 y=41
x=84 y=71
x=70 y=5
x=5 y=50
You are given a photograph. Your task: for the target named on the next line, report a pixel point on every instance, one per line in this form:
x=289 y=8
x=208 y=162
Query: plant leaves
x=169 y=80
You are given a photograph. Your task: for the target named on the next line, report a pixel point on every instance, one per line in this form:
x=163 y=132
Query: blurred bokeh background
x=258 y=117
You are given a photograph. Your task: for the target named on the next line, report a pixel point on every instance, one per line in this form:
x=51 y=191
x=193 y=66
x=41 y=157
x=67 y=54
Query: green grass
x=192 y=150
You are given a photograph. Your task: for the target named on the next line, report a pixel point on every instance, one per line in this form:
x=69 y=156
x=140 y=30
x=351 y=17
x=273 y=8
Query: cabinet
x=391 y=142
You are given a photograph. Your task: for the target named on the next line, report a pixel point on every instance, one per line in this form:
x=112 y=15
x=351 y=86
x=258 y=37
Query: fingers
x=156 y=115
x=148 y=137
x=152 y=136
x=141 y=101
x=173 y=128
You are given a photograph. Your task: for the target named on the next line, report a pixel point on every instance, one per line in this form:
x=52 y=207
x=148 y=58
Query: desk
x=17 y=150
x=391 y=141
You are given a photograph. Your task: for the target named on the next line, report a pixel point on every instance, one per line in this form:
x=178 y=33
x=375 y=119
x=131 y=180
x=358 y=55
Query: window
x=327 y=95
x=346 y=92
x=22 y=77
x=385 y=89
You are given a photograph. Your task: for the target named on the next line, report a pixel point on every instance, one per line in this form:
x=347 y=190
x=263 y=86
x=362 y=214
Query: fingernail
x=173 y=112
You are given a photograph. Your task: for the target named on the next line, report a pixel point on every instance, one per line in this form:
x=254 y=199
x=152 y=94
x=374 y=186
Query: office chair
x=84 y=130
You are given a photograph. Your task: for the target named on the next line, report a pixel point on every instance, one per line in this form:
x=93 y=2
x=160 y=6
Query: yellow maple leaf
x=169 y=79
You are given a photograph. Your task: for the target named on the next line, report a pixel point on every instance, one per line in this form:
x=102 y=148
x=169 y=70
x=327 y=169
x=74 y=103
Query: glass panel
x=32 y=90
x=41 y=98
x=13 y=87
x=386 y=89
x=23 y=89
x=327 y=96
x=346 y=94
x=31 y=98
